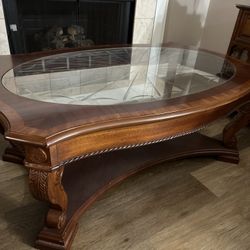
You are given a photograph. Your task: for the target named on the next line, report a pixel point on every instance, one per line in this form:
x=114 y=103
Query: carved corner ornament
x=36 y=155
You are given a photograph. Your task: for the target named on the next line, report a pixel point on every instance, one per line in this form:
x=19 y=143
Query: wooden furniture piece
x=83 y=121
x=239 y=47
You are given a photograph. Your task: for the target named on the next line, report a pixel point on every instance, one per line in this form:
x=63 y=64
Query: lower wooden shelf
x=84 y=181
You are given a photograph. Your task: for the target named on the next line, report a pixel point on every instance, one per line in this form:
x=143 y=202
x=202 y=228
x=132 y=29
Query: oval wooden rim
x=110 y=117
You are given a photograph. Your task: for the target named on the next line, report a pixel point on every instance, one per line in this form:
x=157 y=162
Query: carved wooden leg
x=71 y=190
x=241 y=120
x=46 y=186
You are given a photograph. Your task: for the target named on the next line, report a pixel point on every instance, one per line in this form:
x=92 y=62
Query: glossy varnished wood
x=188 y=204
x=51 y=136
x=113 y=167
x=24 y=121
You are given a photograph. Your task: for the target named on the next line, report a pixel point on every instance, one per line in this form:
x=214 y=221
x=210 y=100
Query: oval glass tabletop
x=118 y=75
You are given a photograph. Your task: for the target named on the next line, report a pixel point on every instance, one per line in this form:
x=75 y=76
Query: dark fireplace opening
x=38 y=25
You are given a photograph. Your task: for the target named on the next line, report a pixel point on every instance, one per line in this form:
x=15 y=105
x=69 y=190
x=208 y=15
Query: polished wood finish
x=193 y=204
x=55 y=137
x=240 y=40
x=85 y=180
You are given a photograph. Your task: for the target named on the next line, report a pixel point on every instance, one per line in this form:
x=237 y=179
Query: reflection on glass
x=120 y=75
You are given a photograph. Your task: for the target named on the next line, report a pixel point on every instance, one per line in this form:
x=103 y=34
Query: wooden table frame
x=74 y=153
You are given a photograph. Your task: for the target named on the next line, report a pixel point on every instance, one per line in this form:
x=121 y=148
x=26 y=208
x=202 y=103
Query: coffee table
x=83 y=121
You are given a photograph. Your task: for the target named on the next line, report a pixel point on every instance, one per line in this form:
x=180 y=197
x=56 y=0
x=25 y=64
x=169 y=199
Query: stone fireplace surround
x=149 y=24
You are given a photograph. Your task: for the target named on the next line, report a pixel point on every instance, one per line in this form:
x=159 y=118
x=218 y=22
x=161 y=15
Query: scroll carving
x=39 y=184
x=46 y=186
x=36 y=155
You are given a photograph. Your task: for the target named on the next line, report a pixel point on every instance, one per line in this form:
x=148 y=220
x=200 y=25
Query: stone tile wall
x=4 y=45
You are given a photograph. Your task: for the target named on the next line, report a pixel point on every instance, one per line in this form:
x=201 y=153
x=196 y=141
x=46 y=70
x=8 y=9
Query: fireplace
x=37 y=25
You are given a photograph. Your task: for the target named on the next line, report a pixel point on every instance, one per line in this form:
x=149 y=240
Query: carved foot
x=51 y=239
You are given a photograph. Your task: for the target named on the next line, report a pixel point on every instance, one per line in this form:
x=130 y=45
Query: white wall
x=221 y=19
x=207 y=24
x=185 y=21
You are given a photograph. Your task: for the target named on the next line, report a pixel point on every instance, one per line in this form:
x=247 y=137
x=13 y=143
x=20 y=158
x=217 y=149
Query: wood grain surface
x=50 y=136
x=187 y=204
x=46 y=123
